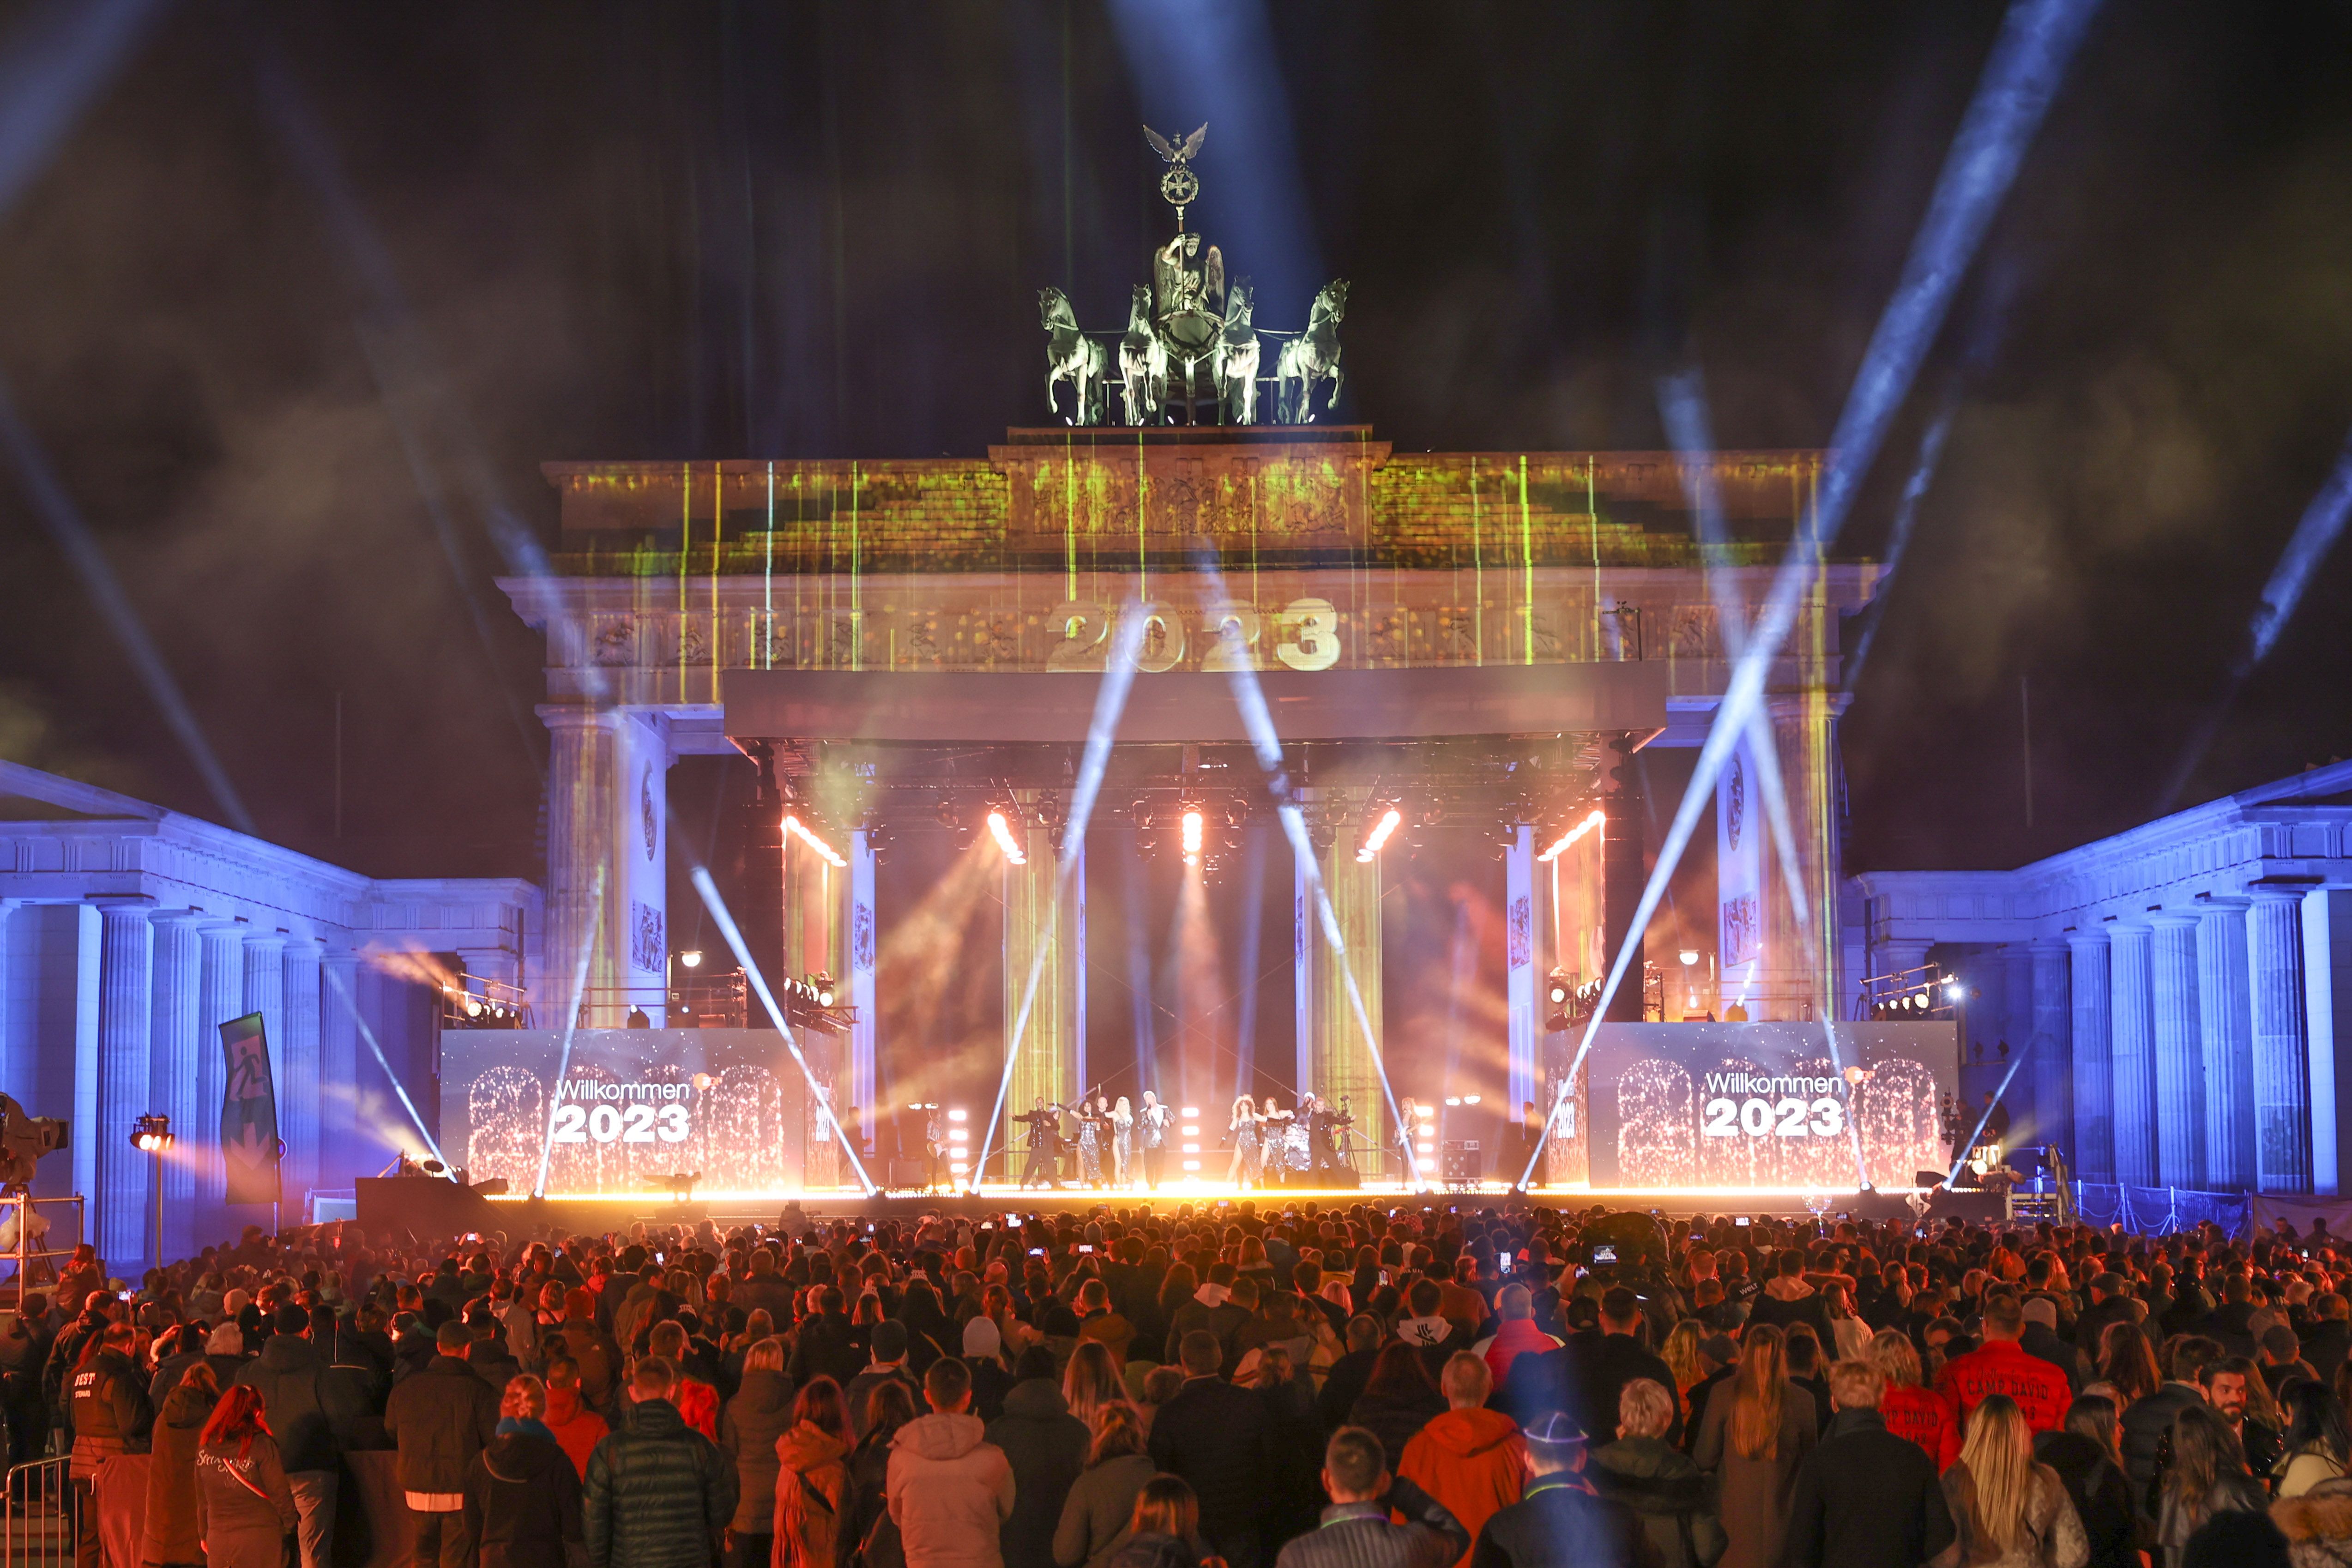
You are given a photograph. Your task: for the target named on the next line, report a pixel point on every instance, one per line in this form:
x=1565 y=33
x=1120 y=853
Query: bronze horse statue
x=1313 y=356
x=1073 y=357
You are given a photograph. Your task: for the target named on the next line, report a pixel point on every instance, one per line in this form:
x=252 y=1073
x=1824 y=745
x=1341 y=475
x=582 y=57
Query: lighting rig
x=1572 y=1004
x=1913 y=994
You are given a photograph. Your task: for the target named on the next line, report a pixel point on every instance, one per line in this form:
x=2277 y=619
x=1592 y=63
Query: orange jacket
x=1472 y=1461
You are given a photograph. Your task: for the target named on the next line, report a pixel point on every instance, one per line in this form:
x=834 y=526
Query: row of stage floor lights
x=953 y=1137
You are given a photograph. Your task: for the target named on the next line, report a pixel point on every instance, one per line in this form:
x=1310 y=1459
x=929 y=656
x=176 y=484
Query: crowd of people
x=1310 y=1386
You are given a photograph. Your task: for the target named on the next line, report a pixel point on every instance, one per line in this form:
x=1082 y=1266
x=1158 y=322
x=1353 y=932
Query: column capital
x=123 y=903
x=2050 y=944
x=2221 y=904
x=2172 y=920
x=305 y=945
x=2278 y=892
x=2079 y=940
x=578 y=716
x=178 y=917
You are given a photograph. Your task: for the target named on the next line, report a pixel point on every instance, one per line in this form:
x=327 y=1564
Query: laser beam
x=64 y=522
x=700 y=877
x=571 y=1021
x=2021 y=76
x=343 y=993
x=1111 y=701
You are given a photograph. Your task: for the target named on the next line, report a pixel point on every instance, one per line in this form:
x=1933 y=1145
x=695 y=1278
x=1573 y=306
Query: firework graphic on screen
x=507 y=1116
x=1895 y=1109
x=741 y=1126
x=1655 y=1128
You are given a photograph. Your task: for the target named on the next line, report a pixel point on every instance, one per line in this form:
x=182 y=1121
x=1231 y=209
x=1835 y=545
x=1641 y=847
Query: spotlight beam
x=570 y=1026
x=2021 y=76
x=2314 y=536
x=1249 y=697
x=1111 y=701
x=64 y=524
x=700 y=877
x=342 y=994
x=1681 y=400
x=1996 y=1094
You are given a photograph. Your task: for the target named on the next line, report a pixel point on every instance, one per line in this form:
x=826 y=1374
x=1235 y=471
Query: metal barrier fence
x=36 y=1515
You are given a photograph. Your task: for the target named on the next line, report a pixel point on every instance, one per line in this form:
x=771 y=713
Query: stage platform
x=592 y=1214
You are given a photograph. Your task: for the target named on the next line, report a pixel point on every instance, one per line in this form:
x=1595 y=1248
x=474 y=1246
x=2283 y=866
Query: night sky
x=300 y=275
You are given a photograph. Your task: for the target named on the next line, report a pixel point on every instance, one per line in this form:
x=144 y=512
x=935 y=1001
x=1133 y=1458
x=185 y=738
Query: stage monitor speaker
x=901 y=1174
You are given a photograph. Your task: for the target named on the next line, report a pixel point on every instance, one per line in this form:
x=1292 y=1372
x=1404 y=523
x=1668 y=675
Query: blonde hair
x=1897 y=1361
x=1645 y=1409
x=1856 y=1385
x=1680 y=1353
x=1090 y=1383
x=1999 y=1454
x=1758 y=1390
x=767 y=1355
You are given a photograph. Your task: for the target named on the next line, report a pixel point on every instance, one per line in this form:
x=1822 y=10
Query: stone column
x=2282 y=1068
x=1523 y=988
x=11 y=1071
x=1042 y=936
x=339 y=1069
x=2017 y=1033
x=2054 y=1058
x=175 y=1043
x=2180 y=1052
x=2132 y=1048
x=126 y=1009
x=2225 y=1027
x=586 y=909
x=1804 y=732
x=298 y=1094
x=220 y=993
x=2094 y=1055
x=1335 y=1056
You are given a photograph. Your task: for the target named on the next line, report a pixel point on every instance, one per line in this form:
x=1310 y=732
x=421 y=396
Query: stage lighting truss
x=1572 y=1004
x=1563 y=838
x=999 y=827
x=795 y=828
x=814 y=1003
x=472 y=1002
x=1913 y=995
x=1385 y=817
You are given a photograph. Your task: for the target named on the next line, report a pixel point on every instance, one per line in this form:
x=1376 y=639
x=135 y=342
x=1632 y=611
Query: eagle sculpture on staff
x=1178 y=185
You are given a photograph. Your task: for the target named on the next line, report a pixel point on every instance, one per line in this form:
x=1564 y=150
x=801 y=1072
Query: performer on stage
x=1044 y=1164
x=1152 y=1124
x=1094 y=1129
x=935 y=1148
x=1273 y=1140
x=1247 y=1167
x=1122 y=1143
x=1408 y=1162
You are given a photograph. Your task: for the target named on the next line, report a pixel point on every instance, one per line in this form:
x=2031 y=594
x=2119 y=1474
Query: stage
x=595 y=1215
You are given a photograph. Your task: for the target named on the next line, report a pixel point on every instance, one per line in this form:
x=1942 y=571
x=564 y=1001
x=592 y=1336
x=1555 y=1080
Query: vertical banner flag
x=248 y=1118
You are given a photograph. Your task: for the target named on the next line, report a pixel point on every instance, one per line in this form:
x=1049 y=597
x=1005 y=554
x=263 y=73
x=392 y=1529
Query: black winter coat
x=314 y=1412
x=1558 y=1524
x=2144 y=1426
x=440 y=1419
x=522 y=1503
x=1866 y=1498
x=1215 y=1436
x=1047 y=1448
x=2101 y=1497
